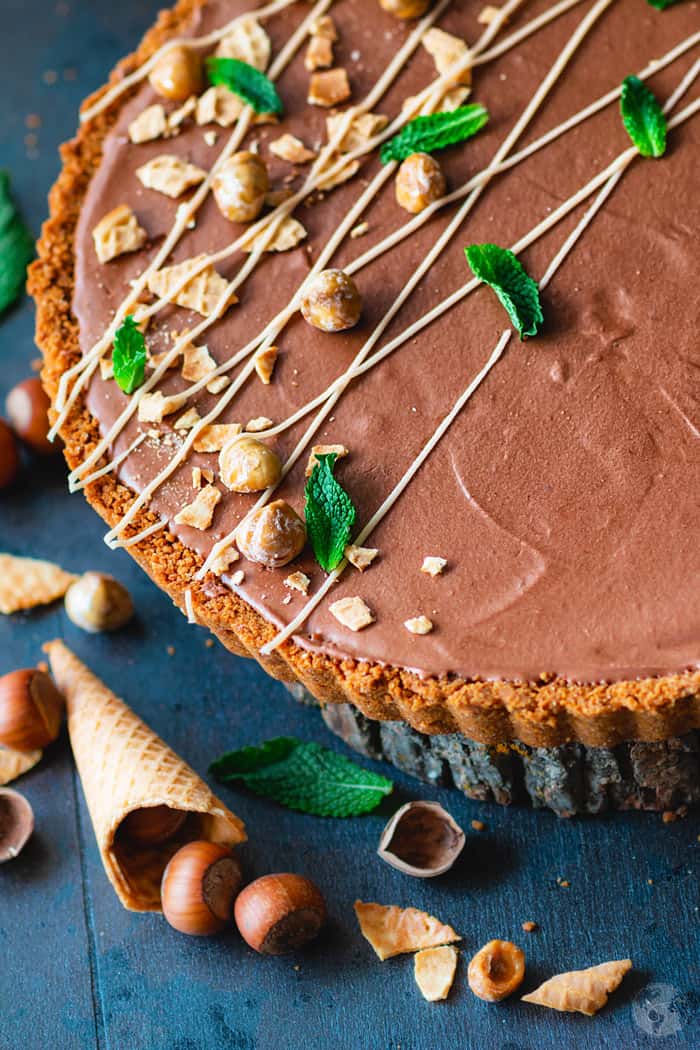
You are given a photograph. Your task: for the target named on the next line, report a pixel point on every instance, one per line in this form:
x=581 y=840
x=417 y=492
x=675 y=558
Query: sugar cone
x=123 y=767
x=14 y=763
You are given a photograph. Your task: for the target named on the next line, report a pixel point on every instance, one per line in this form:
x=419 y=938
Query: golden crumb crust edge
x=545 y=713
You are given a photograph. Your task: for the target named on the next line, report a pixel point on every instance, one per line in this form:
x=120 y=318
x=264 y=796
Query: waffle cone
x=125 y=766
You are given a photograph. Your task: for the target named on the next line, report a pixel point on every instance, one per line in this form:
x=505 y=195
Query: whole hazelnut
x=31 y=709
x=332 y=302
x=198 y=888
x=152 y=825
x=27 y=408
x=9 y=456
x=97 y=602
x=272 y=535
x=405 y=8
x=496 y=970
x=177 y=74
x=277 y=914
x=16 y=823
x=240 y=185
x=419 y=182
x=247 y=465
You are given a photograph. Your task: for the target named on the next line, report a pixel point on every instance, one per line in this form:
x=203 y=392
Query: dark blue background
x=77 y=971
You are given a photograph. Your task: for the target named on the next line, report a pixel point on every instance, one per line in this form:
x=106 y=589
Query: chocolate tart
x=563 y=496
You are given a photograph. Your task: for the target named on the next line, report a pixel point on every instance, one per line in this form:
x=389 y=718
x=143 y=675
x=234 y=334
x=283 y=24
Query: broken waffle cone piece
x=434 y=971
x=392 y=930
x=124 y=768
x=14 y=763
x=581 y=991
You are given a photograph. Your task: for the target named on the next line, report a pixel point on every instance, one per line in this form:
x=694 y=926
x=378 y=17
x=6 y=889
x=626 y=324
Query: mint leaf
x=436 y=131
x=247 y=82
x=129 y=356
x=305 y=777
x=643 y=118
x=661 y=5
x=330 y=514
x=519 y=294
x=16 y=247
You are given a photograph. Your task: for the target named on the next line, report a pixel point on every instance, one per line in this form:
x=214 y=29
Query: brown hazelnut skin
x=496 y=970
x=405 y=8
x=9 y=456
x=152 y=825
x=198 y=888
x=97 y=602
x=240 y=185
x=419 y=183
x=31 y=710
x=177 y=74
x=248 y=465
x=273 y=535
x=332 y=302
x=277 y=914
x=27 y=409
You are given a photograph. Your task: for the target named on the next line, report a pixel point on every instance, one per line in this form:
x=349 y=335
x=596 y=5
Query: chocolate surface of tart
x=564 y=496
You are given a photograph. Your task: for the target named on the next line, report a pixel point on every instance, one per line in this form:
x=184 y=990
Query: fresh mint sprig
x=435 y=131
x=643 y=118
x=16 y=247
x=129 y=356
x=247 y=82
x=661 y=5
x=304 y=776
x=519 y=294
x=330 y=514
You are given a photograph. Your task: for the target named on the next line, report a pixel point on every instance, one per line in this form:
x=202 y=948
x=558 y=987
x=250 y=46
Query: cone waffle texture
x=125 y=766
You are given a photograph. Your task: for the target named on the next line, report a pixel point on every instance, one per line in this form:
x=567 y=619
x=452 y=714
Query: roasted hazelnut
x=28 y=411
x=97 y=602
x=240 y=185
x=16 y=823
x=332 y=302
x=272 y=535
x=177 y=74
x=277 y=914
x=496 y=970
x=419 y=182
x=9 y=457
x=198 y=888
x=152 y=825
x=31 y=709
x=247 y=465
x=405 y=8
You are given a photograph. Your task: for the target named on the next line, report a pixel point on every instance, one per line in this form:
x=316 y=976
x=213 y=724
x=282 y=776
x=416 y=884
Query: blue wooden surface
x=77 y=971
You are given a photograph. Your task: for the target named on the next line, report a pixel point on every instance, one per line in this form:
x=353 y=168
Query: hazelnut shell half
x=16 y=823
x=422 y=840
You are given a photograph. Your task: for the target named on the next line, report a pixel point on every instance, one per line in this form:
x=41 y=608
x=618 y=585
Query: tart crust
x=543 y=713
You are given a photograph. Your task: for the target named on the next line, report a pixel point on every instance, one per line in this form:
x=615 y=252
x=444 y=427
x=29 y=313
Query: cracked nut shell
x=421 y=839
x=16 y=823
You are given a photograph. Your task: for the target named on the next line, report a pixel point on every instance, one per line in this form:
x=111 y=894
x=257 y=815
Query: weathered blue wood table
x=77 y=971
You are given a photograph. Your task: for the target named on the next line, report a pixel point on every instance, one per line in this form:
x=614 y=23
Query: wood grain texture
x=77 y=971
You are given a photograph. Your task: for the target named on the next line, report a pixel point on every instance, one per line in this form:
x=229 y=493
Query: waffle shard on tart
x=534 y=501
x=126 y=768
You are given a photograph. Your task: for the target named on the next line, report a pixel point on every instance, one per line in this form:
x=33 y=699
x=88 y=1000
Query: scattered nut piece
x=529 y=926
x=393 y=931
x=248 y=465
x=419 y=625
x=324 y=26
x=117 y=233
x=419 y=183
x=177 y=74
x=421 y=839
x=433 y=565
x=329 y=88
x=106 y=368
x=28 y=582
x=14 y=764
x=196 y=478
x=217 y=384
x=581 y=991
x=359 y=231
x=450 y=101
x=487 y=15
x=478 y=825
x=446 y=50
x=363 y=128
x=298 y=581
x=288 y=234
x=360 y=557
x=405 y=9
x=219 y=106
x=199 y=513
x=16 y=823
x=331 y=302
x=179 y=116
x=240 y=185
x=352 y=613
x=154 y=407
x=273 y=535
x=290 y=148
x=238 y=578
x=97 y=602
x=169 y=175
x=197 y=362
x=254 y=426
x=201 y=293
x=319 y=54
x=434 y=971
x=329 y=182
x=214 y=436
x=339 y=451
x=210 y=137
x=248 y=42
x=496 y=970
x=149 y=125
x=224 y=560
x=264 y=361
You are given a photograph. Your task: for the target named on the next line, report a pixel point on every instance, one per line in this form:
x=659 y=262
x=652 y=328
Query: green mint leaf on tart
x=518 y=293
x=16 y=247
x=661 y=5
x=436 y=131
x=247 y=82
x=330 y=514
x=129 y=356
x=305 y=777
x=643 y=118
